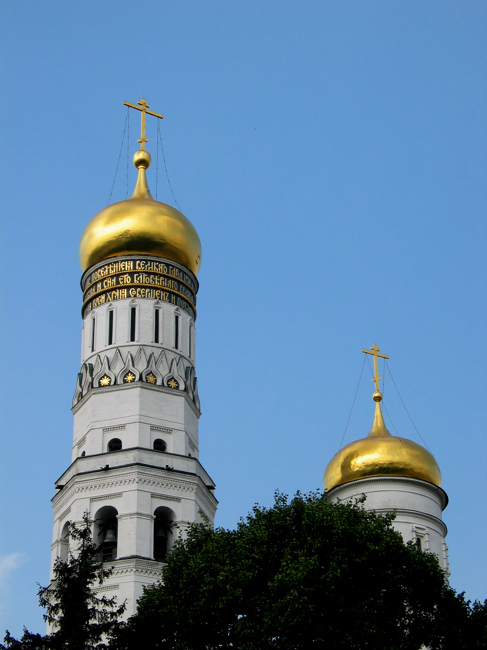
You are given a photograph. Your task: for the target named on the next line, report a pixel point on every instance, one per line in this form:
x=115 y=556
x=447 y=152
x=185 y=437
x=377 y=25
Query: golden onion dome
x=381 y=454
x=140 y=225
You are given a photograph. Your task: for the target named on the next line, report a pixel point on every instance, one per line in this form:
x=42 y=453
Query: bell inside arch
x=161 y=530
x=110 y=533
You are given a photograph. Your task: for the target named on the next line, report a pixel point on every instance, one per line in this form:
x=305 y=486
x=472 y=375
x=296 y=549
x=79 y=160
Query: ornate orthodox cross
x=375 y=353
x=143 y=106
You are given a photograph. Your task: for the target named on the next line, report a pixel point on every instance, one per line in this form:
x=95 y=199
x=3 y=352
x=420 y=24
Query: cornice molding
x=165 y=497
x=113 y=495
x=415 y=513
x=106 y=588
x=434 y=489
x=137 y=567
x=119 y=427
x=202 y=496
x=81 y=486
x=155 y=427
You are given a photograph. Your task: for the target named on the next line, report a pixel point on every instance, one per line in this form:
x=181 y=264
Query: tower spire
x=378 y=427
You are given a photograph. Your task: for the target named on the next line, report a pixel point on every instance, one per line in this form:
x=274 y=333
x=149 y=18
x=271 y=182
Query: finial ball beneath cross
x=142 y=159
x=377 y=397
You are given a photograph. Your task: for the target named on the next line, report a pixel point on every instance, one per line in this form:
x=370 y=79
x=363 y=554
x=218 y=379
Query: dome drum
x=388 y=493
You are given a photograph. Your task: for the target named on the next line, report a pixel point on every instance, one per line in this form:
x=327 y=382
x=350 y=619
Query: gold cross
x=143 y=109
x=375 y=353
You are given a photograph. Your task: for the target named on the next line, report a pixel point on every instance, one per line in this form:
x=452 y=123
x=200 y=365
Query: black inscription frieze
x=139 y=278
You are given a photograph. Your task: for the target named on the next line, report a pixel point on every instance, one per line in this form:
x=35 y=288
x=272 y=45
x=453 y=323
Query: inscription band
x=111 y=295
x=139 y=278
x=139 y=265
x=106 y=280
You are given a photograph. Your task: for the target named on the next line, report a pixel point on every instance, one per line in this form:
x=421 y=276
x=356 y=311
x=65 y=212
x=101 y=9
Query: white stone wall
x=418 y=506
x=137 y=414
x=144 y=330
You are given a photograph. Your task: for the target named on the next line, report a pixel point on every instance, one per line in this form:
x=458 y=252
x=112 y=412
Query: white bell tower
x=135 y=462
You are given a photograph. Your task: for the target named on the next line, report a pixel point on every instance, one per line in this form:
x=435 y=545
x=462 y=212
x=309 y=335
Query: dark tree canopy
x=305 y=574
x=81 y=619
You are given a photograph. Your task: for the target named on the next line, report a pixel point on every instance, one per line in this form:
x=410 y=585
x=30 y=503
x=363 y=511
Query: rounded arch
x=115 y=444
x=160 y=444
x=64 y=545
x=105 y=533
x=164 y=519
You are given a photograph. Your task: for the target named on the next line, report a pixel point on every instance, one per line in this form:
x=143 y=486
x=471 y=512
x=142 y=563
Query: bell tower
x=135 y=461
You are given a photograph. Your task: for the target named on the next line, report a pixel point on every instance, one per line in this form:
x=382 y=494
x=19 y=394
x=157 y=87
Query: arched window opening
x=83 y=454
x=106 y=533
x=176 y=332
x=160 y=445
x=115 y=444
x=420 y=538
x=93 y=334
x=133 y=319
x=64 y=546
x=156 y=325
x=110 y=327
x=163 y=532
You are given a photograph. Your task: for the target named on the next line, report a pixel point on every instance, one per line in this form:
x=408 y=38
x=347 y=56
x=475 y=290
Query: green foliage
x=28 y=641
x=478 y=630
x=303 y=574
x=81 y=619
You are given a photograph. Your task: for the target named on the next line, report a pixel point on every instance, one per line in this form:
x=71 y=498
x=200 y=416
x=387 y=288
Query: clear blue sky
x=332 y=157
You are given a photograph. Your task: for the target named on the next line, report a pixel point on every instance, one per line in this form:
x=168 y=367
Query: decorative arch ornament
x=173 y=379
x=104 y=377
x=129 y=373
x=167 y=370
x=151 y=375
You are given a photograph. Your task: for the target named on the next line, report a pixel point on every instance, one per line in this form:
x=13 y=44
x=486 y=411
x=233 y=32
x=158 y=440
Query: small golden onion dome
x=381 y=454
x=140 y=225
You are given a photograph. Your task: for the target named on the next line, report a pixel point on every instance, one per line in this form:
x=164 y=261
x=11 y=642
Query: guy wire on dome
x=353 y=404
x=119 y=155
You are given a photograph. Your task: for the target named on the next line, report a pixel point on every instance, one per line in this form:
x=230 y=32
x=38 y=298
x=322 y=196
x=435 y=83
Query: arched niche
x=164 y=519
x=105 y=533
x=115 y=444
x=64 y=545
x=160 y=444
